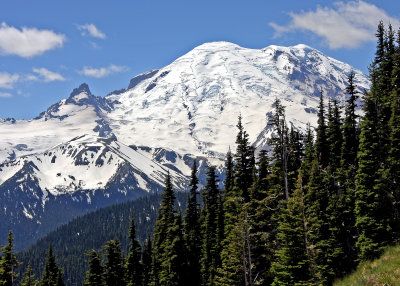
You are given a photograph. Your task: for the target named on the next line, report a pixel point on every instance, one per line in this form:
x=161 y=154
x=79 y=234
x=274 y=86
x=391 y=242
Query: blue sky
x=49 y=47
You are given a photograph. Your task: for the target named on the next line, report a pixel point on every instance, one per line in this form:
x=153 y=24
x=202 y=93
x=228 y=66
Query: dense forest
x=305 y=213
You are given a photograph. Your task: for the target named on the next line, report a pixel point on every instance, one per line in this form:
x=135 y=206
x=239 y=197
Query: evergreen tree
x=114 y=264
x=166 y=218
x=133 y=267
x=211 y=246
x=173 y=262
x=29 y=278
x=292 y=265
x=51 y=274
x=192 y=232
x=334 y=135
x=8 y=262
x=321 y=142
x=229 y=179
x=392 y=173
x=309 y=156
x=372 y=206
x=244 y=158
x=280 y=152
x=94 y=275
x=146 y=261
x=350 y=138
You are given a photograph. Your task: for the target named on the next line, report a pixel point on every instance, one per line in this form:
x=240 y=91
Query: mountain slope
x=87 y=152
x=193 y=103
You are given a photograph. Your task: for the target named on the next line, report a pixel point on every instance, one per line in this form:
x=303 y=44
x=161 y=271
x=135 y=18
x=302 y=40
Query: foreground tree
x=8 y=262
x=133 y=267
x=94 y=275
x=52 y=275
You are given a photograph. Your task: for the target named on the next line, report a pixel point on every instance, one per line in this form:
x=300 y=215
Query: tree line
x=304 y=213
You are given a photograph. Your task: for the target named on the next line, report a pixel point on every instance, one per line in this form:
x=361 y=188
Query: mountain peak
x=83 y=88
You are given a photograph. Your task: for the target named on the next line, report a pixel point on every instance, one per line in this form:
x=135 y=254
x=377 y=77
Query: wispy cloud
x=102 y=72
x=5 y=94
x=347 y=25
x=45 y=75
x=28 y=42
x=7 y=80
x=91 y=30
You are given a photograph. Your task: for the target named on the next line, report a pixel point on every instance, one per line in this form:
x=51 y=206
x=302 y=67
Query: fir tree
x=229 y=180
x=292 y=265
x=350 y=138
x=114 y=264
x=147 y=261
x=192 y=232
x=244 y=163
x=372 y=207
x=94 y=275
x=280 y=152
x=166 y=218
x=51 y=274
x=334 y=135
x=8 y=262
x=211 y=246
x=29 y=278
x=321 y=142
x=133 y=267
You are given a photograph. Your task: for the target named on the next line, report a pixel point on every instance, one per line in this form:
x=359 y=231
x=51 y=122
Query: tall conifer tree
x=133 y=267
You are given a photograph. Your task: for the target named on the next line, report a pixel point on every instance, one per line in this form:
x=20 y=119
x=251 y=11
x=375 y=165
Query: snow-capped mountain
x=86 y=152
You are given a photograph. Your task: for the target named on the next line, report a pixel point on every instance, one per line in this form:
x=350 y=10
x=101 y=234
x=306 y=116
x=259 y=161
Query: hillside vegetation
x=382 y=271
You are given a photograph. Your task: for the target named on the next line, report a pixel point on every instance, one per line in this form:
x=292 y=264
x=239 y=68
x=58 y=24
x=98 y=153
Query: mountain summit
x=86 y=152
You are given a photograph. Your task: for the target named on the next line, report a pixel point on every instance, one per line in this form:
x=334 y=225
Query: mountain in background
x=87 y=152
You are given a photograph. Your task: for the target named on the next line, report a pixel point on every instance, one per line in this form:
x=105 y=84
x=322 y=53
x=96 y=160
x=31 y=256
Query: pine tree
x=279 y=146
x=94 y=275
x=29 y=278
x=321 y=142
x=114 y=264
x=350 y=138
x=173 y=262
x=192 y=235
x=334 y=135
x=133 y=267
x=147 y=261
x=292 y=265
x=8 y=262
x=244 y=163
x=372 y=206
x=51 y=274
x=165 y=220
x=229 y=180
x=211 y=228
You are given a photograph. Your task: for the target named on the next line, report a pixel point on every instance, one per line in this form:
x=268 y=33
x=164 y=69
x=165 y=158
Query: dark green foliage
x=8 y=262
x=211 y=229
x=372 y=208
x=29 y=278
x=133 y=268
x=321 y=141
x=334 y=136
x=114 y=264
x=292 y=265
x=192 y=235
x=94 y=275
x=229 y=173
x=350 y=134
x=244 y=163
x=91 y=231
x=146 y=262
x=280 y=153
x=52 y=274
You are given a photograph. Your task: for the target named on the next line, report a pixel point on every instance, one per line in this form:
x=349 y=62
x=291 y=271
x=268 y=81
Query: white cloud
x=102 y=72
x=348 y=25
x=91 y=30
x=28 y=42
x=45 y=75
x=5 y=94
x=7 y=80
